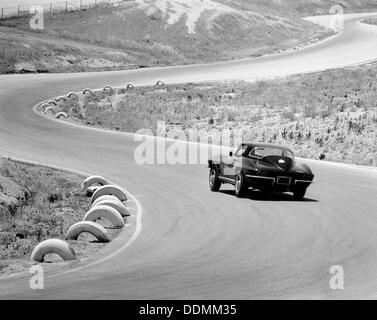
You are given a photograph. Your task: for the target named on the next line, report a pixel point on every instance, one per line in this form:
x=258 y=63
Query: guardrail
x=51 y=8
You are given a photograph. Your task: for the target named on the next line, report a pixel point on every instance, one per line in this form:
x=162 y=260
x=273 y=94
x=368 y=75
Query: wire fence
x=27 y=8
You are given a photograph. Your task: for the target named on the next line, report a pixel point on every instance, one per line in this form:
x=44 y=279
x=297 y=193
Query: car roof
x=264 y=145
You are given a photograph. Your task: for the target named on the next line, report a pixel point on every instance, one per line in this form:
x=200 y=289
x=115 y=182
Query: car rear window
x=261 y=152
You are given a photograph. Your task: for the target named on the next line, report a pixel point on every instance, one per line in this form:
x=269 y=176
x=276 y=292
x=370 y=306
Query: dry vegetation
x=371 y=21
x=308 y=7
x=25 y=52
x=332 y=113
x=37 y=203
x=132 y=36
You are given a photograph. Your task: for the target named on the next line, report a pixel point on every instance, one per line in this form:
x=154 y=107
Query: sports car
x=266 y=167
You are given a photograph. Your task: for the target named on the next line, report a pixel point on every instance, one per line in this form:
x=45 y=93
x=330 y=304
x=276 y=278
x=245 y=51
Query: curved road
x=194 y=243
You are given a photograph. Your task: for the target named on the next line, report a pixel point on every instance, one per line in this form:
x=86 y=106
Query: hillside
x=23 y=52
x=305 y=7
x=159 y=32
x=333 y=113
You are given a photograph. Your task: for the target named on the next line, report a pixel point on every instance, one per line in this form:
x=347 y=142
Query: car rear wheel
x=214 y=182
x=299 y=194
x=240 y=186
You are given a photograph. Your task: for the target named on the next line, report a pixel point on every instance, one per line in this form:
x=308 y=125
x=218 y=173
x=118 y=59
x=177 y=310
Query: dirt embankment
x=39 y=203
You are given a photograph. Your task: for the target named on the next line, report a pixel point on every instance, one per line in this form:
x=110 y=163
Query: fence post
x=18 y=11
x=50 y=9
x=66 y=6
x=2 y=13
x=80 y=4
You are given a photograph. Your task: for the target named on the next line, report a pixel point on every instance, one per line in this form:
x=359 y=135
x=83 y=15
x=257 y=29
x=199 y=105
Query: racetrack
x=194 y=243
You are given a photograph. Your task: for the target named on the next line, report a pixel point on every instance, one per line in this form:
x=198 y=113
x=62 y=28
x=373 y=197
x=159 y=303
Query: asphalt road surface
x=194 y=243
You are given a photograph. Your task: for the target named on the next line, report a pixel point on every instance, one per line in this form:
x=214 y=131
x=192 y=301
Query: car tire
x=240 y=186
x=214 y=181
x=299 y=194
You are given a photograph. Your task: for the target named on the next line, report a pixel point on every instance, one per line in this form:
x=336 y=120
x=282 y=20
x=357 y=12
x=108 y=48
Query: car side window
x=254 y=153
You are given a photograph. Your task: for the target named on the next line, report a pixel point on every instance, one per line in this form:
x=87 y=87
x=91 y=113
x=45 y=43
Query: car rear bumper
x=280 y=183
x=260 y=180
x=306 y=183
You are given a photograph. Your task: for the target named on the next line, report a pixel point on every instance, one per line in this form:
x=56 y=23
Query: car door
x=251 y=160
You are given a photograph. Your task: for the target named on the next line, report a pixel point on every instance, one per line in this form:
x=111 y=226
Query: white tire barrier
x=160 y=82
x=105 y=212
x=90 y=227
x=52 y=102
x=109 y=190
x=61 y=114
x=50 y=108
x=90 y=191
x=57 y=246
x=88 y=182
x=106 y=197
x=108 y=88
x=115 y=204
x=60 y=98
x=45 y=105
x=130 y=85
x=87 y=90
x=72 y=94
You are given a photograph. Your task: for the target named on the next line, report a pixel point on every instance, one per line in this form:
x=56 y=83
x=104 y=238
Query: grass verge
x=38 y=203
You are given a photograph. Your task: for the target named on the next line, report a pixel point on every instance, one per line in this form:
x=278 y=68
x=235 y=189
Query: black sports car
x=266 y=167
